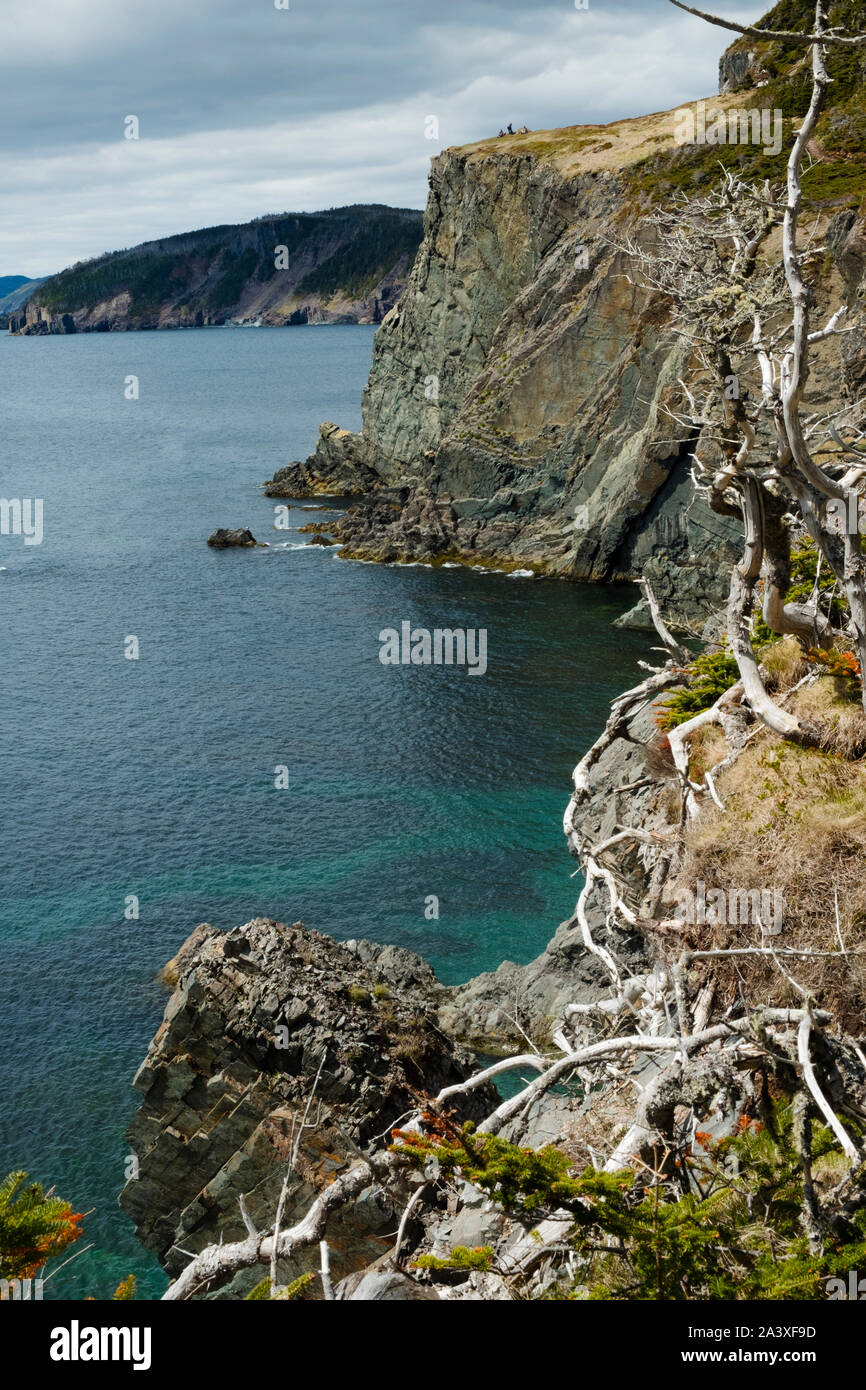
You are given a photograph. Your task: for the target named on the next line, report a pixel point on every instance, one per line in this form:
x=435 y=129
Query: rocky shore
x=281 y=1052
x=285 y=1052
x=522 y=409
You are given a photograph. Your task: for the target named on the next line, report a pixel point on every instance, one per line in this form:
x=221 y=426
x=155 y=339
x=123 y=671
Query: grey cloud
x=186 y=66
x=246 y=109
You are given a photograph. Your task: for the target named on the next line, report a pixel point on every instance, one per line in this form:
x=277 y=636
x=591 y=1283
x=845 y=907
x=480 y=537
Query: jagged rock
x=258 y=1013
x=173 y=969
x=477 y=1221
x=684 y=588
x=485 y=1012
x=741 y=67
x=521 y=409
x=480 y=1288
x=384 y=1286
x=846 y=238
x=338 y=472
x=487 y=1009
x=513 y=414
x=222 y=538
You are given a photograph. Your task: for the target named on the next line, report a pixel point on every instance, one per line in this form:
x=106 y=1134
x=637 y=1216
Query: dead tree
x=747 y=313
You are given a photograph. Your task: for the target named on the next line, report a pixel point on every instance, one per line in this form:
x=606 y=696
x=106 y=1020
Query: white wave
x=295 y=545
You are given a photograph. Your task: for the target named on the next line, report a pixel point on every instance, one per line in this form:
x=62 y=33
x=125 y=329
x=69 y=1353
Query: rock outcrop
x=347 y=265
x=335 y=470
x=496 y=1010
x=281 y=1052
x=222 y=539
x=515 y=407
x=741 y=68
x=518 y=410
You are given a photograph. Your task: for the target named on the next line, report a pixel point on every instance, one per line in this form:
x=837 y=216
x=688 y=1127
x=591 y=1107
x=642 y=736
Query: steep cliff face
x=751 y=62
x=518 y=407
x=348 y=265
x=514 y=410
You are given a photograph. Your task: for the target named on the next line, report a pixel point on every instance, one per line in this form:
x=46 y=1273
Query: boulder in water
x=222 y=538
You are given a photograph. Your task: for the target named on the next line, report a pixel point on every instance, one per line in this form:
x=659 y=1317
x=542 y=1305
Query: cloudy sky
x=244 y=108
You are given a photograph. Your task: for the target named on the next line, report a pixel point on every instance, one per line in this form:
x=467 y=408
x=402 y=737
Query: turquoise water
x=155 y=777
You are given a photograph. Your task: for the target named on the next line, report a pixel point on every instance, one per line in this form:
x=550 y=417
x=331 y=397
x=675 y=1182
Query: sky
x=245 y=109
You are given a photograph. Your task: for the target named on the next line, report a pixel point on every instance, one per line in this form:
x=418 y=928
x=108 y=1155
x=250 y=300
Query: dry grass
x=827 y=702
x=706 y=749
x=794 y=823
x=590 y=1136
x=583 y=148
x=784 y=663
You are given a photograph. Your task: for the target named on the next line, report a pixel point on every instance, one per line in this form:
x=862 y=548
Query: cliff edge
x=519 y=410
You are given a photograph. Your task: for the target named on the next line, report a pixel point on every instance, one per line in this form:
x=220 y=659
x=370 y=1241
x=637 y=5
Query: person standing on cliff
x=510 y=128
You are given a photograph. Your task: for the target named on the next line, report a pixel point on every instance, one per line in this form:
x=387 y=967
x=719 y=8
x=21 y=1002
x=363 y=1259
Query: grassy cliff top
x=775 y=77
x=578 y=149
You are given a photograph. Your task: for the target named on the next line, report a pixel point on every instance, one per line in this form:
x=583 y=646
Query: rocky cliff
x=347 y=265
x=281 y=1054
x=518 y=388
x=517 y=410
x=284 y=1056
x=515 y=407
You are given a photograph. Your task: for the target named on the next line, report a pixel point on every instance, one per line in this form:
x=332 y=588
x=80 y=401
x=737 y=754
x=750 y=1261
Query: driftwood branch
x=325 y=1271
x=219 y=1261
x=787 y=36
x=676 y=652
x=805 y=1059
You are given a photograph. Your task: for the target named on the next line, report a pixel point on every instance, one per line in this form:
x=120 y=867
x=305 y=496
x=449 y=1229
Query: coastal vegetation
x=703 y=1073
x=35 y=1226
x=740 y=1173
x=280 y=268
x=708 y=1219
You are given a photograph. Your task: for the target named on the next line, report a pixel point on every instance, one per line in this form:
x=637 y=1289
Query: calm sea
x=155 y=778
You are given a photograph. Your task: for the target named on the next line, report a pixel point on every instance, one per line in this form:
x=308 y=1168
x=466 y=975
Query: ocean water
x=156 y=777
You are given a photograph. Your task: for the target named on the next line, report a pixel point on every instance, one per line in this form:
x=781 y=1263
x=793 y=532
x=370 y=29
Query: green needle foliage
x=461 y=1257
x=709 y=676
x=267 y=1292
x=724 y=1222
x=34 y=1226
x=712 y=673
